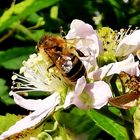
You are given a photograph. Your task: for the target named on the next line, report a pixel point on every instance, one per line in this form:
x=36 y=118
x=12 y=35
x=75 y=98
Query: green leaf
x=4 y=96
x=54 y=12
x=10 y=118
x=134 y=20
x=109 y=125
x=38 y=34
x=22 y=10
x=34 y=18
x=12 y=58
x=78 y=122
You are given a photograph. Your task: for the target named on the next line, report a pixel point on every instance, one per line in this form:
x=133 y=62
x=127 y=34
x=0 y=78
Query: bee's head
x=51 y=42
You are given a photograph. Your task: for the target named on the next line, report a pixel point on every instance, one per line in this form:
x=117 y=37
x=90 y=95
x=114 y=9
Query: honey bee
x=64 y=56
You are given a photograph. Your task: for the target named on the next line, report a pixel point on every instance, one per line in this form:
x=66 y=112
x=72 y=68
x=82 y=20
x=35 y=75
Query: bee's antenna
x=62 y=33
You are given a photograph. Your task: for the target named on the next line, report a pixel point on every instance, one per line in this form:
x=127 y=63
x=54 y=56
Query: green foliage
x=4 y=97
x=13 y=58
x=112 y=127
x=78 y=122
x=10 y=118
x=21 y=10
x=24 y=22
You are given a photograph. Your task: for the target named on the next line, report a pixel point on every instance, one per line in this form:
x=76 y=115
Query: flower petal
x=100 y=92
x=32 y=119
x=31 y=104
x=86 y=96
x=68 y=99
x=87 y=37
x=87 y=41
x=80 y=29
x=128 y=65
x=72 y=96
x=129 y=44
x=26 y=103
x=100 y=73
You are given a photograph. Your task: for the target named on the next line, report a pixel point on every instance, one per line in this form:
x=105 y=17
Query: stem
x=25 y=30
x=114 y=86
x=7 y=35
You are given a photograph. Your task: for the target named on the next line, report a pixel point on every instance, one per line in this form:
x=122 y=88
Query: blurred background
x=23 y=22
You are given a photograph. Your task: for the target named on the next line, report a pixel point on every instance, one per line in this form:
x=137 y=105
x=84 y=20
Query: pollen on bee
x=51 y=70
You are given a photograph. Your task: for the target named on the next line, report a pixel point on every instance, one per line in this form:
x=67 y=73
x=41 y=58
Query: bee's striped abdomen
x=78 y=69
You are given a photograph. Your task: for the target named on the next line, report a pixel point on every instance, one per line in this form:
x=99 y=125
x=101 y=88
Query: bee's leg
x=53 y=65
x=80 y=53
x=62 y=33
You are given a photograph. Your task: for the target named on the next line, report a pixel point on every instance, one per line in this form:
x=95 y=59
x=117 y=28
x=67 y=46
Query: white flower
x=41 y=109
x=129 y=44
x=91 y=95
x=37 y=74
x=128 y=65
x=35 y=77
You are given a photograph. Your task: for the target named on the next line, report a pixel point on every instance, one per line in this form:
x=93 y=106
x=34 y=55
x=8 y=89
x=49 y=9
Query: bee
x=64 y=56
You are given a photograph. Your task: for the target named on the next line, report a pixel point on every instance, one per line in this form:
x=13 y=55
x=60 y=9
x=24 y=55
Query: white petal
x=31 y=104
x=128 y=65
x=32 y=119
x=68 y=99
x=28 y=104
x=93 y=95
x=88 y=41
x=100 y=92
x=81 y=98
x=80 y=85
x=100 y=73
x=129 y=44
x=80 y=29
x=72 y=96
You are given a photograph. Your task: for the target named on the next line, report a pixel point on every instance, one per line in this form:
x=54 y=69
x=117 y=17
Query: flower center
x=38 y=74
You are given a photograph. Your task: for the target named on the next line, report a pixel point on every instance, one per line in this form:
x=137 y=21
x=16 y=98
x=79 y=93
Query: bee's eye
x=58 y=49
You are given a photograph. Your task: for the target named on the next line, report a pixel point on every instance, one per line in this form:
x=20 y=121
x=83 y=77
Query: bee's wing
x=71 y=44
x=73 y=41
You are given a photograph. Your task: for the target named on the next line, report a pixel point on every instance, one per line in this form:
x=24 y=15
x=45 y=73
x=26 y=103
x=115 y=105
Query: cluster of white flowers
x=35 y=76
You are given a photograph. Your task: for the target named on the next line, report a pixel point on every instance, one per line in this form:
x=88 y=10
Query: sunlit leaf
x=12 y=58
x=10 y=118
x=21 y=10
x=118 y=131
x=54 y=12
x=78 y=122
